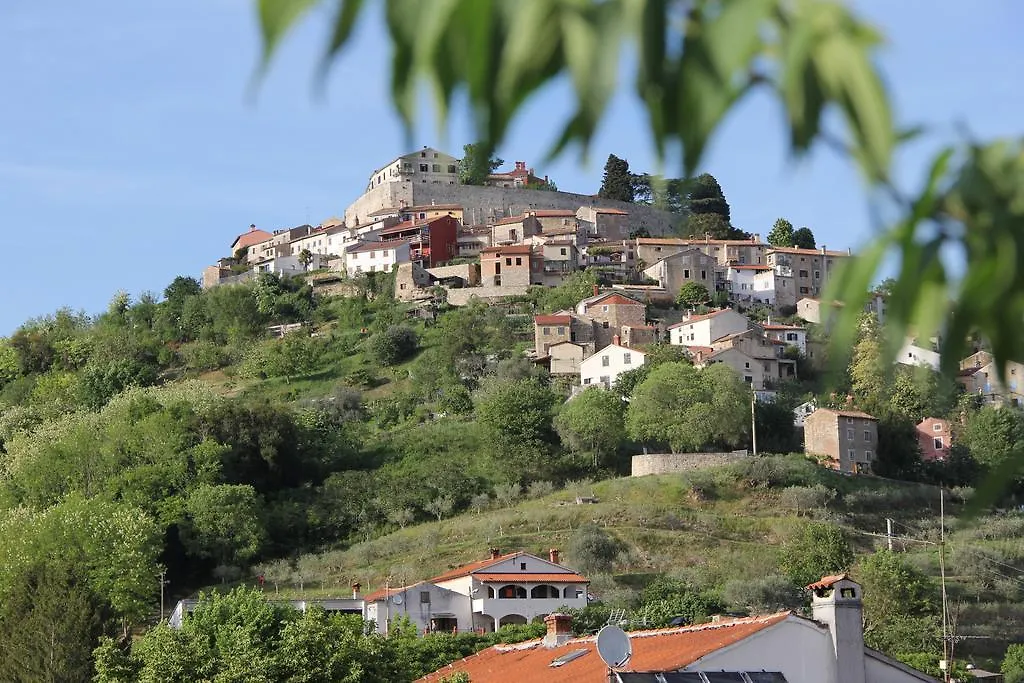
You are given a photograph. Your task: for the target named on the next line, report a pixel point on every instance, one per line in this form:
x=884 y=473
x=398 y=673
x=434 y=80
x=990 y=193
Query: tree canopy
x=617 y=182
x=781 y=234
x=476 y=164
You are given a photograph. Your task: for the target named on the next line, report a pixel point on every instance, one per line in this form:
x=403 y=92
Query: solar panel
x=638 y=678
x=724 y=676
x=683 y=677
x=568 y=657
x=766 y=677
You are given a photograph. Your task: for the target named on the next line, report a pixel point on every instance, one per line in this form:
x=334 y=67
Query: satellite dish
x=613 y=646
x=397 y=599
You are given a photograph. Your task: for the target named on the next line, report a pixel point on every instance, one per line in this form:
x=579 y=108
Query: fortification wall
x=484 y=204
x=669 y=463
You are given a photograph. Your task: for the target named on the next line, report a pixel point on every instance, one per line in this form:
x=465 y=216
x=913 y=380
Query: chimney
x=252 y=226
x=617 y=340
x=597 y=290
x=495 y=553
x=355 y=590
x=553 y=555
x=559 y=629
x=836 y=602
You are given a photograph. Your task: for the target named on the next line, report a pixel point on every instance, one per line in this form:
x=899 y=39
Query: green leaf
x=276 y=17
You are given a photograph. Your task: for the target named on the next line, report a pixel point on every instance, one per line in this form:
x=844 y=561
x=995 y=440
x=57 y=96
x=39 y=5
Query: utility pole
x=942 y=572
x=753 y=421
x=888 y=532
x=163 y=582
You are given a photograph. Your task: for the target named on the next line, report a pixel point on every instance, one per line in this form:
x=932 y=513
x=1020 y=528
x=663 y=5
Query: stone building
x=847 y=438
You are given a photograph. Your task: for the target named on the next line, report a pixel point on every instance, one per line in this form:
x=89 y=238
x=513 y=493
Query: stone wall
x=484 y=204
x=461 y=297
x=668 y=463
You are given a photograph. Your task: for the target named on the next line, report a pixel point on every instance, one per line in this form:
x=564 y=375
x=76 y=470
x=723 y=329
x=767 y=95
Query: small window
x=847 y=593
x=604 y=361
x=562 y=250
x=436 y=168
x=868 y=455
x=519 y=260
x=849 y=435
x=586 y=380
x=424 y=597
x=746 y=366
x=852 y=453
x=605 y=324
x=423 y=155
x=604 y=309
x=626 y=360
x=451 y=168
x=803 y=273
x=423 y=168
x=561 y=330
x=508 y=261
x=937 y=427
x=748 y=379
x=703 y=275
x=686 y=273
x=867 y=435
x=522 y=566
x=546 y=330
x=849 y=420
x=937 y=443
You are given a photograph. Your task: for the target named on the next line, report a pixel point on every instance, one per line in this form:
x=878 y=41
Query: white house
x=912 y=354
x=777 y=648
x=701 y=330
x=427 y=165
x=432 y=608
x=379 y=257
x=790 y=335
x=751 y=283
x=605 y=366
x=290 y=265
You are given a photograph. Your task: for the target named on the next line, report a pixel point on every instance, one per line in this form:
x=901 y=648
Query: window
x=748 y=379
x=423 y=155
x=817 y=275
x=423 y=168
x=605 y=324
x=703 y=275
x=937 y=427
x=451 y=168
x=561 y=330
x=547 y=331
x=522 y=566
x=852 y=454
x=508 y=261
x=519 y=260
x=605 y=381
x=401 y=286
x=791 y=336
x=425 y=597
x=436 y=168
x=804 y=290
x=868 y=455
x=803 y=273
x=604 y=361
x=849 y=420
x=586 y=380
x=511 y=592
x=604 y=309
x=626 y=359
x=867 y=435
x=562 y=250
x=435 y=155
x=937 y=443
x=849 y=435
x=686 y=273
x=746 y=365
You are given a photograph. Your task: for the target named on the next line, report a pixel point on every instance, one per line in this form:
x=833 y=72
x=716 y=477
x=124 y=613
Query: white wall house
x=790 y=335
x=701 y=330
x=432 y=608
x=289 y=265
x=427 y=165
x=751 y=283
x=605 y=366
x=911 y=354
x=376 y=257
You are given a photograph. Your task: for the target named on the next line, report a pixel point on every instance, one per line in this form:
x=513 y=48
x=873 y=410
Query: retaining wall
x=668 y=463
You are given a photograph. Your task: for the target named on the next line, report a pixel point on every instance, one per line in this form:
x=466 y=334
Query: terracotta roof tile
x=657 y=650
x=472 y=567
x=511 y=220
x=247 y=239
x=510 y=249
x=698 y=318
x=377 y=246
x=552 y=319
x=807 y=252
x=385 y=592
x=617 y=212
x=827 y=581
x=568 y=577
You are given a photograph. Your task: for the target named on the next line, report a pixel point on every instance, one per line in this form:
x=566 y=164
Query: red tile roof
x=617 y=212
x=807 y=252
x=247 y=239
x=510 y=249
x=552 y=319
x=554 y=213
x=511 y=220
x=386 y=592
x=687 y=242
x=782 y=327
x=658 y=650
x=467 y=569
x=532 y=577
x=827 y=581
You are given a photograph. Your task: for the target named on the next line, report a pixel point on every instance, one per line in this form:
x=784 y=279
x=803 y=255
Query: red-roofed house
x=432 y=242
x=934 y=436
x=790 y=335
x=847 y=438
x=511 y=588
x=515 y=267
x=781 y=648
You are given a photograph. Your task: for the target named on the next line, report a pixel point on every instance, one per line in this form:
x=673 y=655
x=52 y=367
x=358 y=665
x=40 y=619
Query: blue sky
x=132 y=151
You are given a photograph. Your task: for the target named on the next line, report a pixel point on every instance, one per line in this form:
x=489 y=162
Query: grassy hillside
x=709 y=528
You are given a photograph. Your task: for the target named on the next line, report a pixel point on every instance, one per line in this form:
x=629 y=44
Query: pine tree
x=781 y=234
x=618 y=181
x=709 y=211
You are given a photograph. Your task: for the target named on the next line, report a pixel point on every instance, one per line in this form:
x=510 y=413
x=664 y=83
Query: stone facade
x=610 y=312
x=411 y=282
x=512 y=266
x=671 y=463
x=486 y=204
x=691 y=265
x=848 y=438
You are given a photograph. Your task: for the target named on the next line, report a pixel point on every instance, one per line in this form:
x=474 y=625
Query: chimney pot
x=596 y=290
x=495 y=553
x=355 y=590
x=617 y=340
x=553 y=555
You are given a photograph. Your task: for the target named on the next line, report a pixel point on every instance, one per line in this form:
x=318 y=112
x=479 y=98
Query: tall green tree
x=817 y=550
x=803 y=238
x=899 y=605
x=781 y=234
x=689 y=409
x=1013 y=664
x=617 y=182
x=708 y=209
x=223 y=523
x=592 y=423
x=476 y=164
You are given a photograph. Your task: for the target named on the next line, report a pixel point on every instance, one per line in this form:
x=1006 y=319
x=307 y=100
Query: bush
x=803 y=499
x=202 y=355
x=594 y=550
x=818 y=550
x=766 y=594
x=394 y=345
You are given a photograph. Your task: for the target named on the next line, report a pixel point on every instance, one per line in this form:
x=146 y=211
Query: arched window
x=511 y=592
x=571 y=592
x=490 y=592
x=544 y=592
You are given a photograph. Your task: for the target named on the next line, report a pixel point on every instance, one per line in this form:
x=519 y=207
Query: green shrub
x=593 y=550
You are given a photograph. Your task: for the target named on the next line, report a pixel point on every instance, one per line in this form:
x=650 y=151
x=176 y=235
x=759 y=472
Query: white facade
x=801 y=412
x=605 y=366
x=791 y=335
x=911 y=354
x=701 y=330
x=427 y=165
x=755 y=284
x=289 y=265
x=375 y=257
x=431 y=608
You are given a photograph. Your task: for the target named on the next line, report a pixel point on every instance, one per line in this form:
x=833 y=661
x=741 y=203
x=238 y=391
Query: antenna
x=613 y=647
